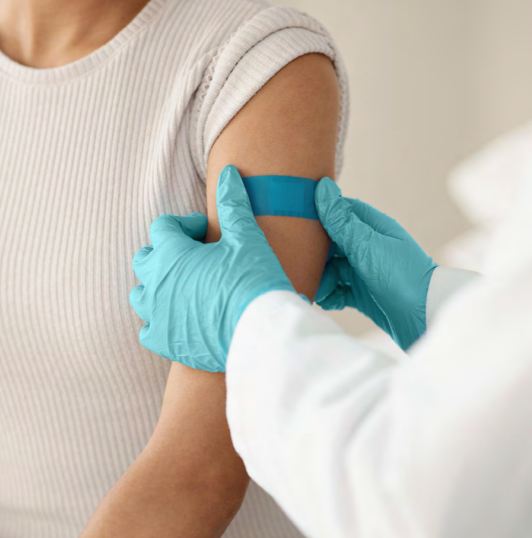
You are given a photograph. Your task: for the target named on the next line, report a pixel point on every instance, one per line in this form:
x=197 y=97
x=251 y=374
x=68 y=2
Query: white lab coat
x=354 y=444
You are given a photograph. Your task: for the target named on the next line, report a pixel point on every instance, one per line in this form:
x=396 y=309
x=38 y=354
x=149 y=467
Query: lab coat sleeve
x=352 y=443
x=445 y=282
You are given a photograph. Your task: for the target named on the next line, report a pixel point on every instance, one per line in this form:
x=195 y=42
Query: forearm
x=352 y=441
x=188 y=481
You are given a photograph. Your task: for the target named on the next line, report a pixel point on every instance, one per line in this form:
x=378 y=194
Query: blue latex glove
x=193 y=294
x=376 y=266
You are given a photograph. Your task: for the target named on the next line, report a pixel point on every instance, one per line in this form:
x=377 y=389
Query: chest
x=82 y=175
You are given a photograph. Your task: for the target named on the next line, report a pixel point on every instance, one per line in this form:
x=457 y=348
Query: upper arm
x=288 y=128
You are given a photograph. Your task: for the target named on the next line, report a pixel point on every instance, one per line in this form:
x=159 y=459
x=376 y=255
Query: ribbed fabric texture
x=90 y=154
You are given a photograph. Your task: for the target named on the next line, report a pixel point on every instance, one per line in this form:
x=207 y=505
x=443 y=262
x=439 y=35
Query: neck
x=50 y=33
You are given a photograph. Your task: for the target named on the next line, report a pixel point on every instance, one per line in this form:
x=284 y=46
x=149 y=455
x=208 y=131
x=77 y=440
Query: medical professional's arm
x=351 y=443
x=445 y=282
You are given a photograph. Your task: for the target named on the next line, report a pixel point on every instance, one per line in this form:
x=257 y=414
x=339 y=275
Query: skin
x=189 y=481
x=51 y=33
x=288 y=128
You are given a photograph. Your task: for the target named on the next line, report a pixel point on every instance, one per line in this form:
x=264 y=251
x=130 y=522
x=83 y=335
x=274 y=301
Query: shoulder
x=251 y=53
x=198 y=27
x=294 y=116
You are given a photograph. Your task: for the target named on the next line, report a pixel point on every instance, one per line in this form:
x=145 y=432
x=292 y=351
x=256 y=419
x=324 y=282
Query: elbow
x=203 y=482
x=224 y=492
x=219 y=491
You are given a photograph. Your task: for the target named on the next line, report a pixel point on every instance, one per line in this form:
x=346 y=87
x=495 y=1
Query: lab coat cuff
x=264 y=311
x=265 y=305
x=444 y=283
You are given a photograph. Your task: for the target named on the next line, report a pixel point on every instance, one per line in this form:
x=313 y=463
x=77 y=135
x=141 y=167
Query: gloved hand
x=376 y=267
x=192 y=294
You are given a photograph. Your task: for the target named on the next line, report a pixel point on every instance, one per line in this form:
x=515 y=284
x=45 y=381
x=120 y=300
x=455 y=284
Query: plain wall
x=430 y=82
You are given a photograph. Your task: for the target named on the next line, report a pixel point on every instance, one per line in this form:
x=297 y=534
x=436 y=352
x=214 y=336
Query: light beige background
x=431 y=82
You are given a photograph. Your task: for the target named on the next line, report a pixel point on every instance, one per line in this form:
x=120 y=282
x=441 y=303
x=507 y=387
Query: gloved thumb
x=340 y=220
x=234 y=208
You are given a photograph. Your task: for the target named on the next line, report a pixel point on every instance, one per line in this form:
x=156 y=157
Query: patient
x=113 y=113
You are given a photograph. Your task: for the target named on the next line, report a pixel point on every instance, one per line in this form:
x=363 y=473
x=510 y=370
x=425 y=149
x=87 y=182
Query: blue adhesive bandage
x=284 y=196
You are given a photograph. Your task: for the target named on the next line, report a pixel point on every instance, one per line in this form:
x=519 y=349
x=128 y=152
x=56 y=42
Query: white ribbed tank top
x=90 y=154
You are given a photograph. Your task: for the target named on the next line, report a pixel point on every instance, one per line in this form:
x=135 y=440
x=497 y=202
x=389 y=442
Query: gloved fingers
x=147 y=340
x=335 y=252
x=139 y=262
x=330 y=278
x=167 y=227
x=341 y=298
x=340 y=221
x=194 y=225
x=136 y=301
x=234 y=208
x=337 y=275
x=327 y=285
x=337 y=299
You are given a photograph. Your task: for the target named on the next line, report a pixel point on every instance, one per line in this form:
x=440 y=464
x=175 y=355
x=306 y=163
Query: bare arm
x=189 y=481
x=288 y=128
